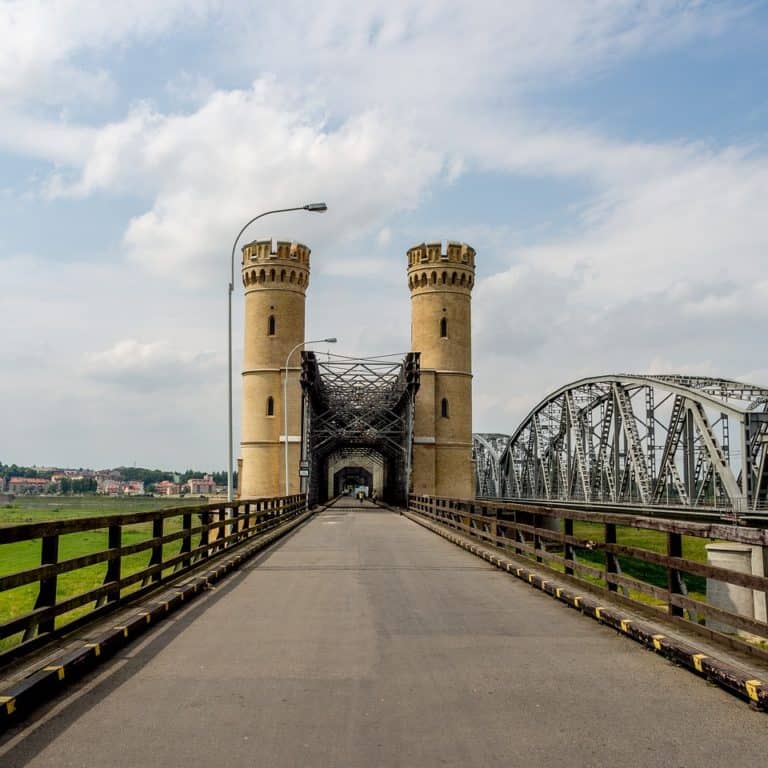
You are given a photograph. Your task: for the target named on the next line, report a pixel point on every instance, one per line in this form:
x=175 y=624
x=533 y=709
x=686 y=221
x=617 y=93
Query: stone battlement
x=433 y=268
x=434 y=253
x=267 y=252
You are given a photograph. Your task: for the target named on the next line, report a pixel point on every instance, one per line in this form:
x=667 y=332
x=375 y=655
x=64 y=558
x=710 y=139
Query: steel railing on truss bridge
x=691 y=445
x=129 y=556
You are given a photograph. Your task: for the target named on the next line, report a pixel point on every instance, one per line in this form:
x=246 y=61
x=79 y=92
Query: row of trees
x=14 y=470
x=86 y=485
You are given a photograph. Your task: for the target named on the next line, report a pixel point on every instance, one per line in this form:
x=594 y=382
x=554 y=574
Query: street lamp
x=331 y=340
x=313 y=207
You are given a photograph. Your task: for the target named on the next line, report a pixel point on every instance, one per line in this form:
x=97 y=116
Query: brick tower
x=275 y=281
x=441 y=294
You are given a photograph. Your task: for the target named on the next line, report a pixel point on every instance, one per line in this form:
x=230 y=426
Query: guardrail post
x=46 y=596
x=157 y=551
x=114 y=566
x=611 y=561
x=569 y=551
x=205 y=521
x=242 y=521
x=223 y=528
x=536 y=538
x=234 y=524
x=186 y=542
x=466 y=519
x=674 y=578
x=519 y=535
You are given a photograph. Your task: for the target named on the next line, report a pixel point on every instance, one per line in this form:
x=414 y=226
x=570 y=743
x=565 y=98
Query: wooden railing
x=600 y=551
x=128 y=555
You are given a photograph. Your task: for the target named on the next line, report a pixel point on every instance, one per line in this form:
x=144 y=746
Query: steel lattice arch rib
x=688 y=441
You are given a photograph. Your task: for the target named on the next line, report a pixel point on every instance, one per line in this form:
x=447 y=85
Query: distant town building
x=28 y=485
x=204 y=486
x=108 y=486
x=167 y=488
x=133 y=488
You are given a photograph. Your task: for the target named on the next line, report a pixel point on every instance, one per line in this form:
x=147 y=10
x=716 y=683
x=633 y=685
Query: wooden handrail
x=221 y=526
x=528 y=532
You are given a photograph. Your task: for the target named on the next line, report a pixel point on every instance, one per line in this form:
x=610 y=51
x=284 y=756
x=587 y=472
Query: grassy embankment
x=693 y=549
x=24 y=555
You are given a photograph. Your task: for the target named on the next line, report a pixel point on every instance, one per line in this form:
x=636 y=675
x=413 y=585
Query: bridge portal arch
x=347 y=465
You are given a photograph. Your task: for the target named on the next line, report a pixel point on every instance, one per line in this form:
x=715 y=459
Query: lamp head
x=317 y=207
x=332 y=340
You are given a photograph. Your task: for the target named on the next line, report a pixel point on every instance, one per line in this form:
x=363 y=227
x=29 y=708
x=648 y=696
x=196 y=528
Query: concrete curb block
x=18 y=700
x=728 y=677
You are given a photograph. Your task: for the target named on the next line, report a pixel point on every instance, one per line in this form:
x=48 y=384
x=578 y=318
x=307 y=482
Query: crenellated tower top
x=276 y=265
x=434 y=268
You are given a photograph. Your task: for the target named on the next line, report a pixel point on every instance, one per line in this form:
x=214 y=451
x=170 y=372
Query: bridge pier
x=744 y=601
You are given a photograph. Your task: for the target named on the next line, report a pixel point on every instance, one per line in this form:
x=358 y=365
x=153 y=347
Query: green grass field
x=24 y=555
x=33 y=509
x=693 y=549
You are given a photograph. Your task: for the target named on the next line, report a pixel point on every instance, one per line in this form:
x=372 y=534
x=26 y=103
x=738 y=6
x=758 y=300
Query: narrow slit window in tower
x=271 y=326
x=444 y=408
x=443 y=328
x=270 y=406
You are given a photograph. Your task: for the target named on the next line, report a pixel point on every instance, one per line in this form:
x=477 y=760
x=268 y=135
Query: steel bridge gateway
x=358 y=421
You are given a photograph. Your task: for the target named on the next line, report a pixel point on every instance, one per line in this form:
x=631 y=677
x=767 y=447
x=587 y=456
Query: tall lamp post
x=314 y=207
x=331 y=340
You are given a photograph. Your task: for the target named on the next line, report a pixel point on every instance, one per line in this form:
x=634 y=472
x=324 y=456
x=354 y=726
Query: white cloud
x=145 y=367
x=242 y=152
x=665 y=275
x=384 y=238
x=372 y=106
x=41 y=40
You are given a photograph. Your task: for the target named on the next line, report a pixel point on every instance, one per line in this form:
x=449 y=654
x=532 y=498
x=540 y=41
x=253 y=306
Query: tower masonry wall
x=275 y=279
x=441 y=281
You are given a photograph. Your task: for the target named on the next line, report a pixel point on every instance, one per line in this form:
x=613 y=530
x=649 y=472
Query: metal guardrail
x=218 y=528
x=546 y=535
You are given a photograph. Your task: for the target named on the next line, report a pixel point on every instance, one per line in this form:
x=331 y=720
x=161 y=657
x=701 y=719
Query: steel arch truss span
x=689 y=441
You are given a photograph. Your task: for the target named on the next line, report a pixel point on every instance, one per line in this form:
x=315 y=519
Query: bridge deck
x=364 y=639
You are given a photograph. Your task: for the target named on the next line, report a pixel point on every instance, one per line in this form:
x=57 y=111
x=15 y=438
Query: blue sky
x=606 y=158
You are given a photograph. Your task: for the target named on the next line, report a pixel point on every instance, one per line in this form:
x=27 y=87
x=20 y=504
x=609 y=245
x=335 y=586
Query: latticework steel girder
x=365 y=403
x=645 y=440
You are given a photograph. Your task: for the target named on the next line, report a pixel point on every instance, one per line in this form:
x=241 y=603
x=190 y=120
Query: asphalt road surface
x=365 y=640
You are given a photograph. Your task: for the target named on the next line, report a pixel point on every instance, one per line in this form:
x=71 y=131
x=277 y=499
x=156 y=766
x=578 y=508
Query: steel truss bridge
x=693 y=442
x=359 y=407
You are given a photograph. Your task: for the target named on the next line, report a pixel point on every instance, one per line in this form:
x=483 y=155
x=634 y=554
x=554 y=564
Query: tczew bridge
x=505 y=600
